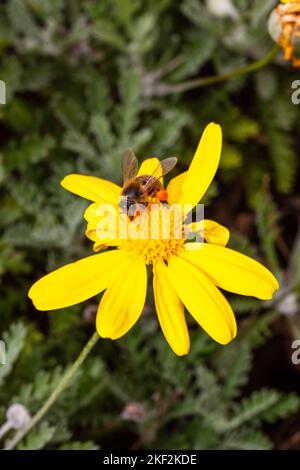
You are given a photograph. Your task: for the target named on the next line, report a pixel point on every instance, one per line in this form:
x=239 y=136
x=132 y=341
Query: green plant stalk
x=73 y=9
x=65 y=381
x=211 y=80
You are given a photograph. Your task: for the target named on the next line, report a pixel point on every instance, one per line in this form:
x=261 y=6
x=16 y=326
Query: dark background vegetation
x=85 y=80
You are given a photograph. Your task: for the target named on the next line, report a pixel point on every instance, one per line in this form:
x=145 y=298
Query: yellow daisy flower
x=184 y=273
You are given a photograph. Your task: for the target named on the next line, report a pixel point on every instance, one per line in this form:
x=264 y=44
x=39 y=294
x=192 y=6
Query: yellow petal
x=203 y=300
x=170 y=311
x=150 y=166
x=123 y=301
x=106 y=242
x=103 y=212
x=102 y=238
x=211 y=231
x=77 y=281
x=174 y=188
x=232 y=271
x=202 y=168
x=91 y=232
x=102 y=241
x=101 y=221
x=91 y=214
x=104 y=225
x=92 y=188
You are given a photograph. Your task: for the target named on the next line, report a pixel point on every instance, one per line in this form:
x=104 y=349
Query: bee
x=138 y=191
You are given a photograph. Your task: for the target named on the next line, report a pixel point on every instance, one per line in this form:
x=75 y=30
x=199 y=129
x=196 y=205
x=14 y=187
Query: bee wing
x=164 y=167
x=130 y=166
x=167 y=165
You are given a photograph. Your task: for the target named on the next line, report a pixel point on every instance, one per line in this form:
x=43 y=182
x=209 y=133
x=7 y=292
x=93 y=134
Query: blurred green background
x=86 y=80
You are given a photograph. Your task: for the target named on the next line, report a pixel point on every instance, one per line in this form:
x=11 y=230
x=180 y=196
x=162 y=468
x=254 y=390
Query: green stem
x=73 y=10
x=66 y=379
x=205 y=81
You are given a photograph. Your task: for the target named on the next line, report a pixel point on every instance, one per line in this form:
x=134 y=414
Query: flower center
x=156 y=234
x=153 y=251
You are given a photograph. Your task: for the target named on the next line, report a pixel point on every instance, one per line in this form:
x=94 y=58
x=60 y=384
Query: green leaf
x=21 y=18
x=280 y=146
x=31 y=150
x=231 y=157
x=101 y=129
x=285 y=406
x=77 y=445
x=254 y=408
x=14 y=340
x=38 y=437
x=11 y=74
x=128 y=110
x=257 y=329
x=33 y=394
x=106 y=32
x=239 y=362
x=79 y=144
x=247 y=439
x=266 y=216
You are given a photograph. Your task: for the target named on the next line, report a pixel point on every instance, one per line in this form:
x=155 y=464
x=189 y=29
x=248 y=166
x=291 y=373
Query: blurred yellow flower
x=284 y=27
x=184 y=273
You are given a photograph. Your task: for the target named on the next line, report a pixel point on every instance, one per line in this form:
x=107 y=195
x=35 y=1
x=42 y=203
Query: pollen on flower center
x=156 y=234
x=153 y=251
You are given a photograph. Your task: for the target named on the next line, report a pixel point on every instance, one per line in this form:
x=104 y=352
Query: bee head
x=130 y=197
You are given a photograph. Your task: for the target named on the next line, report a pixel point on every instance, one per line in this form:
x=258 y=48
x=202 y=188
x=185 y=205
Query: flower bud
x=284 y=28
x=274 y=26
x=134 y=411
x=288 y=305
x=18 y=416
x=222 y=8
